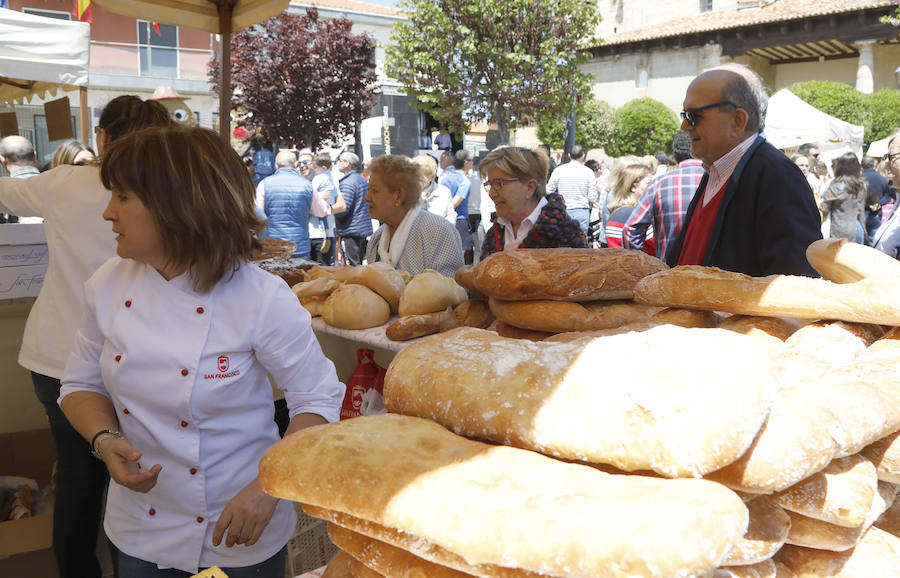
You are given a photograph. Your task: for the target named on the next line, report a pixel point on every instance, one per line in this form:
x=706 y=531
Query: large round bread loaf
x=563 y=274
x=429 y=292
x=563 y=316
x=355 y=307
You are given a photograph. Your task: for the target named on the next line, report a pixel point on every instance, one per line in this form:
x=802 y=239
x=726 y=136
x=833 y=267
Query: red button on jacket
x=128 y=303
x=193 y=471
x=184 y=372
x=199 y=520
x=152 y=512
x=118 y=358
x=200 y=310
x=184 y=424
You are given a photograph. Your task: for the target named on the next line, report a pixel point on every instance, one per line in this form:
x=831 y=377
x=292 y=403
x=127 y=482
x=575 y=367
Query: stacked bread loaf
x=762 y=447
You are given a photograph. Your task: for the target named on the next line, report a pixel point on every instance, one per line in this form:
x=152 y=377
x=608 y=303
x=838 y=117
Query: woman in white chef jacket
x=167 y=378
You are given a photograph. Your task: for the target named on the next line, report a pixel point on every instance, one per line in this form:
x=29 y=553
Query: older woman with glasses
x=527 y=217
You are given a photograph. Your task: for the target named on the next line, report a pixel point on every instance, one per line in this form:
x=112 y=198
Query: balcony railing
x=124 y=59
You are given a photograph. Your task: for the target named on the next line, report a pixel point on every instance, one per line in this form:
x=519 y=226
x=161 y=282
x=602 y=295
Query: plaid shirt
x=663 y=205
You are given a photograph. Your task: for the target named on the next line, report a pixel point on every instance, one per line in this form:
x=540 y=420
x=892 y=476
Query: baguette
x=563 y=274
x=562 y=316
x=871 y=300
x=504 y=506
x=841 y=261
x=681 y=418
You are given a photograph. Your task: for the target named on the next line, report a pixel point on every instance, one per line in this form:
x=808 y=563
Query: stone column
x=865 y=78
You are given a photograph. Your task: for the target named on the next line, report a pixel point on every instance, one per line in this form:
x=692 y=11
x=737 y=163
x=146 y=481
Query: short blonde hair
x=197 y=190
x=622 y=195
x=521 y=163
x=429 y=166
x=399 y=172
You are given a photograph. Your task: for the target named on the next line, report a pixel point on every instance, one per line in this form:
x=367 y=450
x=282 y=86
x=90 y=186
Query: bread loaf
x=819 y=348
x=841 y=261
x=382 y=279
x=563 y=274
x=562 y=316
x=885 y=455
x=314 y=305
x=387 y=560
x=581 y=335
x=686 y=317
x=764 y=569
x=782 y=571
x=755 y=325
x=513 y=332
x=429 y=292
x=841 y=494
x=872 y=300
x=824 y=536
x=890 y=519
x=355 y=307
x=504 y=506
x=343 y=565
x=579 y=400
x=323 y=286
x=337 y=273
x=889 y=343
x=470 y=313
x=412 y=326
x=766 y=533
x=876 y=556
x=465 y=278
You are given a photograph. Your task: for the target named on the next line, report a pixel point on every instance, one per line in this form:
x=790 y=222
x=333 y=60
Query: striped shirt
x=662 y=207
x=575 y=183
x=721 y=170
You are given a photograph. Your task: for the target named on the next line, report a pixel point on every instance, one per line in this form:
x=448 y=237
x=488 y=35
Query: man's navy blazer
x=767 y=218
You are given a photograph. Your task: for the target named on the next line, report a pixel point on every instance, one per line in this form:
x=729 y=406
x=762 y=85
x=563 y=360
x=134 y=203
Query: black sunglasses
x=690 y=114
x=889 y=157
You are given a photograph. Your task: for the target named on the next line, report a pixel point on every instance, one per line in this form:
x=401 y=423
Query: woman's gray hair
x=746 y=90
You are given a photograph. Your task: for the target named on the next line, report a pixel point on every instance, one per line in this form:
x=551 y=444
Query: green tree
x=643 y=126
x=594 y=126
x=495 y=60
x=884 y=113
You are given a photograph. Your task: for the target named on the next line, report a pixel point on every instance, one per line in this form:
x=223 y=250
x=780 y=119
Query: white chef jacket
x=71 y=199
x=186 y=373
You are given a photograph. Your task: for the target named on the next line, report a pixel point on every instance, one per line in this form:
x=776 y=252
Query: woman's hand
x=122 y=462
x=245 y=516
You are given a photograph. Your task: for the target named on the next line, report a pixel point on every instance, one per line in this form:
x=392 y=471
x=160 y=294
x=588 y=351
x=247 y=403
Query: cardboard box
x=29 y=454
x=19 y=255
x=22 y=234
x=23 y=281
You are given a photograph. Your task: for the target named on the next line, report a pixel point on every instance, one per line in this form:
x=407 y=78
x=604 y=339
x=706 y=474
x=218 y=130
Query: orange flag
x=82 y=11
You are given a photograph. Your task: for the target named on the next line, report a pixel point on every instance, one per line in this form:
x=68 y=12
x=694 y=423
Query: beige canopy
x=216 y=16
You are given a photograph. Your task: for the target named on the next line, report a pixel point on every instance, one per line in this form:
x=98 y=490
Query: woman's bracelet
x=98 y=439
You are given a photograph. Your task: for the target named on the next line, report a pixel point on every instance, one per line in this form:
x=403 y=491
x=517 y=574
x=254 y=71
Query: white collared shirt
x=512 y=241
x=722 y=169
x=186 y=374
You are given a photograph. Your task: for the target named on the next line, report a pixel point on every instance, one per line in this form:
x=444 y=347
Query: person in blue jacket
x=353 y=226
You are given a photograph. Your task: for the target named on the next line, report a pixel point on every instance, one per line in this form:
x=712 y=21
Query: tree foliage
x=301 y=80
x=643 y=126
x=496 y=60
x=835 y=98
x=594 y=126
x=884 y=113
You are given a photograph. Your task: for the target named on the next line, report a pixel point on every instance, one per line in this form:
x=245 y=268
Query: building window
x=706 y=5
x=643 y=76
x=158 y=52
x=58 y=14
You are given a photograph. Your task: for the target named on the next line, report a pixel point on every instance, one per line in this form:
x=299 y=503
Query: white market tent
x=791 y=122
x=879 y=148
x=39 y=56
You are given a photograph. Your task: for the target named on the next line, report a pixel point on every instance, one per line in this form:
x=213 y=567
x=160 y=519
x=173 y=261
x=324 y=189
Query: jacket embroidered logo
x=223 y=363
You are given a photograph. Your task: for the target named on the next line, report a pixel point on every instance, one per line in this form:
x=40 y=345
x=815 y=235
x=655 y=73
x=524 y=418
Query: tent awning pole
x=225 y=13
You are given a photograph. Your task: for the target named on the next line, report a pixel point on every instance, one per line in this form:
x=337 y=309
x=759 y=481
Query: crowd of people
x=157 y=232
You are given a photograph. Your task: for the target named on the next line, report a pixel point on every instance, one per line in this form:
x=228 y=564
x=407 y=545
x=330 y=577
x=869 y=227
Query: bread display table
x=340 y=345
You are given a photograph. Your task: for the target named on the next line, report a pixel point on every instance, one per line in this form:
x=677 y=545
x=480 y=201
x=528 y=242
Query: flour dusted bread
x=876 y=556
x=388 y=560
x=824 y=536
x=890 y=519
x=428 y=292
x=766 y=533
x=871 y=300
x=355 y=307
x=841 y=261
x=885 y=454
x=764 y=569
x=504 y=506
x=841 y=494
x=563 y=274
x=382 y=279
x=562 y=316
x=580 y=400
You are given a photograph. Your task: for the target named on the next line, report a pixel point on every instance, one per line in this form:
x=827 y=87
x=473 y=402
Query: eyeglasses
x=97 y=129
x=304 y=163
x=889 y=157
x=690 y=114
x=497 y=184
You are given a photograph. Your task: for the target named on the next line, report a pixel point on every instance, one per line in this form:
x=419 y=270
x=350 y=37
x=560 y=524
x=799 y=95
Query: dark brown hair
x=128 y=113
x=198 y=191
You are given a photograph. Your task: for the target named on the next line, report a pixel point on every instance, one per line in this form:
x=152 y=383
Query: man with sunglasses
x=753 y=211
x=887 y=237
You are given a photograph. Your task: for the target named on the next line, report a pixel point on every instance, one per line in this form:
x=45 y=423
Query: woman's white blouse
x=186 y=373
